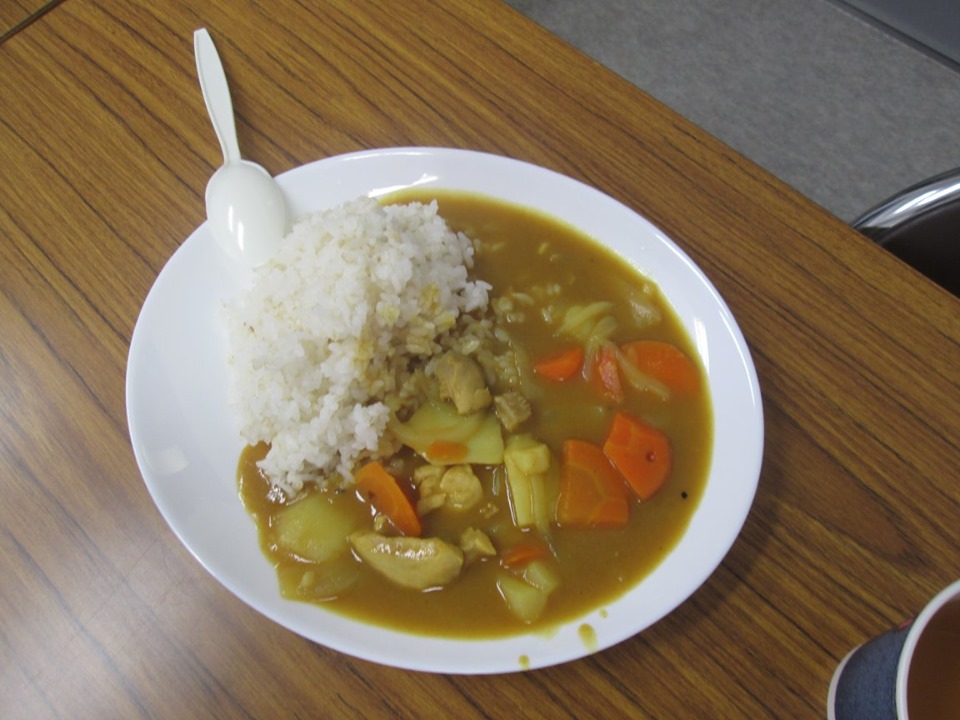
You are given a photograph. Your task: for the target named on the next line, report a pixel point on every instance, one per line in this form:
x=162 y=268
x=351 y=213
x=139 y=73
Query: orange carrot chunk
x=607 y=373
x=383 y=491
x=592 y=493
x=641 y=453
x=666 y=363
x=524 y=554
x=445 y=451
x=562 y=366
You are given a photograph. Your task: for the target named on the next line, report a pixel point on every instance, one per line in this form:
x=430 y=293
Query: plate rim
x=491 y=655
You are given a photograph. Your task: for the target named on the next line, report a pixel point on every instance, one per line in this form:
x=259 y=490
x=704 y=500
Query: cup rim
x=949 y=593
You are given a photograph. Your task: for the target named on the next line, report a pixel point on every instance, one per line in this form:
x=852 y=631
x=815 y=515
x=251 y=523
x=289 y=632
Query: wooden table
x=105 y=150
x=17 y=14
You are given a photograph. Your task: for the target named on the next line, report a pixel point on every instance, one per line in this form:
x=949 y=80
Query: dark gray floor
x=844 y=112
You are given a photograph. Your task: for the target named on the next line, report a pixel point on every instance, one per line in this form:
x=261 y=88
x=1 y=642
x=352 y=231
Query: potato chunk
x=525 y=601
x=532 y=499
x=313 y=529
x=410 y=562
x=437 y=423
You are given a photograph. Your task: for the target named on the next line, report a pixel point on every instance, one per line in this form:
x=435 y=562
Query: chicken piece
x=462 y=487
x=410 y=562
x=456 y=487
x=430 y=495
x=461 y=380
x=428 y=503
x=512 y=408
x=426 y=475
x=475 y=545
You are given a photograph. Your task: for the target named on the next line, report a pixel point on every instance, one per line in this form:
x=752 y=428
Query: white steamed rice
x=323 y=342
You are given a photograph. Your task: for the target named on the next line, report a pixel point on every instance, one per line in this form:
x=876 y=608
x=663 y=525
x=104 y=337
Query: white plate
x=187 y=443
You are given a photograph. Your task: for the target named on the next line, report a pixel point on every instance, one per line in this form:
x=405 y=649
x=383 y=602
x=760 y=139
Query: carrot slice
x=562 y=366
x=641 y=453
x=592 y=493
x=524 y=554
x=442 y=451
x=665 y=362
x=607 y=372
x=383 y=491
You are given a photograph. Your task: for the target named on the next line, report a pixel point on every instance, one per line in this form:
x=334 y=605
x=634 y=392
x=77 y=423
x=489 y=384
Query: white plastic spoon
x=245 y=206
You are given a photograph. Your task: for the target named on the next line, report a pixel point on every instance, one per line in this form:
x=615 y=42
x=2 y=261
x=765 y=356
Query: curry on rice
x=539 y=455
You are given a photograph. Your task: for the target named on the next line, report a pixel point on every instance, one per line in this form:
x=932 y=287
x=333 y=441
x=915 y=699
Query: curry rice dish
x=464 y=418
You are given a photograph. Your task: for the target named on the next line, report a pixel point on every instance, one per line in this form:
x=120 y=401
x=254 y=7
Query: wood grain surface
x=105 y=150
x=17 y=14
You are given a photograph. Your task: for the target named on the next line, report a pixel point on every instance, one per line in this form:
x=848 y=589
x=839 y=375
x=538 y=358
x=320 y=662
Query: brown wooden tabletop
x=105 y=150
x=18 y=14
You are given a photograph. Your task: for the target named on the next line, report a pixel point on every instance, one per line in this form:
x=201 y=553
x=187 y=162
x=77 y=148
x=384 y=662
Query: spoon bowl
x=246 y=210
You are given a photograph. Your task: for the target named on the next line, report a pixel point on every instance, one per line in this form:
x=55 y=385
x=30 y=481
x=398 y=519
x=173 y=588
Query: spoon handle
x=216 y=94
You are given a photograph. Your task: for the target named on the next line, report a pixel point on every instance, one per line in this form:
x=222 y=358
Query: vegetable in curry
x=526 y=492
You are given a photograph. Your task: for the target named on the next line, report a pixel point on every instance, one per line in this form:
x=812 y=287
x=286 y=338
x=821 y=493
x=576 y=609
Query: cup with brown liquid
x=909 y=673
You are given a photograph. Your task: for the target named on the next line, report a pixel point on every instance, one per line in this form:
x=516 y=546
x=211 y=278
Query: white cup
x=870 y=683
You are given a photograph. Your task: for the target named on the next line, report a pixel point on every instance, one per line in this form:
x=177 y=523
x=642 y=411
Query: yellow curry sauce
x=520 y=248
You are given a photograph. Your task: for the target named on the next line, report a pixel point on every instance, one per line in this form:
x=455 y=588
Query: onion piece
x=638 y=379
